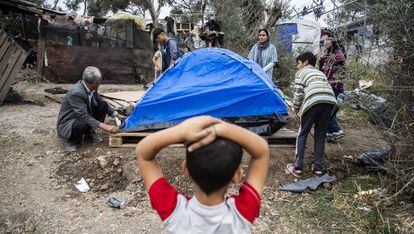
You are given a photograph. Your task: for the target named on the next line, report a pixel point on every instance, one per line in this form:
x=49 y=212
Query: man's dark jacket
x=76 y=106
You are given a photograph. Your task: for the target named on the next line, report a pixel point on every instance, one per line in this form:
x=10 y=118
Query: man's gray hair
x=91 y=74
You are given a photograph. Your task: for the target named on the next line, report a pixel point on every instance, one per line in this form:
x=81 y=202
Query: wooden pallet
x=284 y=138
x=12 y=56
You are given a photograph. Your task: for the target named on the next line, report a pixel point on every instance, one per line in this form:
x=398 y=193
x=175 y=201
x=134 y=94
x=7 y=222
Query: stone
x=116 y=162
x=104 y=187
x=103 y=163
x=49 y=152
x=130 y=172
x=29 y=163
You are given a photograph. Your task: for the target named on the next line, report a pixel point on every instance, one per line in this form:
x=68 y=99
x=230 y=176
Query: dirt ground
x=37 y=176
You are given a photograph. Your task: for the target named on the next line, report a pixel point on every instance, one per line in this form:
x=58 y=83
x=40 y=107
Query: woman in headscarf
x=331 y=62
x=264 y=53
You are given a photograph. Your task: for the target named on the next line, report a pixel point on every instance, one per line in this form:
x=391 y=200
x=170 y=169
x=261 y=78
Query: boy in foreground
x=213 y=158
x=314 y=101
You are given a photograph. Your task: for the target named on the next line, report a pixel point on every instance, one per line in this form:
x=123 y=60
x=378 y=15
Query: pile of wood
x=124 y=101
x=12 y=57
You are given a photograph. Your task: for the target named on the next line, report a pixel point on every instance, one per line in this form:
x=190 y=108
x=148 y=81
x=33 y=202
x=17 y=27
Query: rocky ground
x=37 y=175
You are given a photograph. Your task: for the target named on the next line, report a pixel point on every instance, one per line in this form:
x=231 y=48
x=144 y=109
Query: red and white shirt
x=182 y=214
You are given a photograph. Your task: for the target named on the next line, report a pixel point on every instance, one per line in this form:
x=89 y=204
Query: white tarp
x=305 y=35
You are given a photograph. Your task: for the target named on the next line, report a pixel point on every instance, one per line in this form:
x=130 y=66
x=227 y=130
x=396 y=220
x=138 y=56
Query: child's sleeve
x=248 y=202
x=298 y=93
x=163 y=198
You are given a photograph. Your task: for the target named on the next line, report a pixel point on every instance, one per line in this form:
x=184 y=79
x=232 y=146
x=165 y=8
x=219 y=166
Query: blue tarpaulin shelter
x=215 y=82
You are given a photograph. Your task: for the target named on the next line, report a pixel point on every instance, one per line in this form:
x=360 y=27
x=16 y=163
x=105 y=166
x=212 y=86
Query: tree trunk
x=203 y=9
x=154 y=16
x=84 y=10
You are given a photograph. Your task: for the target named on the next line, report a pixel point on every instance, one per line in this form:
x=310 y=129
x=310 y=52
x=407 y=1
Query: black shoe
x=92 y=136
x=70 y=147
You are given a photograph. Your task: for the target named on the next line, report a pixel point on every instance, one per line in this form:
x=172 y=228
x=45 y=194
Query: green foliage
x=342 y=208
x=284 y=73
x=241 y=20
x=356 y=70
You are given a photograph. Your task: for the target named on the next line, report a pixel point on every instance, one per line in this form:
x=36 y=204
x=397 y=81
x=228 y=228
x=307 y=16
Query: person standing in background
x=169 y=48
x=157 y=62
x=331 y=63
x=264 y=53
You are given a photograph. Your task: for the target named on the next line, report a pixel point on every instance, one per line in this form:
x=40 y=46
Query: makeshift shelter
x=118 y=46
x=215 y=82
x=298 y=35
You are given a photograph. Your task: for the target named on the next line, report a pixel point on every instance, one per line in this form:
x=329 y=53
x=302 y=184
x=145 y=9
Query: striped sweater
x=311 y=88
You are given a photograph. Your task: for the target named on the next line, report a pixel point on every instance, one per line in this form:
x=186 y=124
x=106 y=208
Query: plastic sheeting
x=374 y=159
x=210 y=81
x=298 y=35
x=311 y=183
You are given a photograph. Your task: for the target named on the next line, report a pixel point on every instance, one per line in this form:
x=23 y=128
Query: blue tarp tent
x=215 y=82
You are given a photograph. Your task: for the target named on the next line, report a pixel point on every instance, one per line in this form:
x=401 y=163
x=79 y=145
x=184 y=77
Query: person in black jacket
x=83 y=111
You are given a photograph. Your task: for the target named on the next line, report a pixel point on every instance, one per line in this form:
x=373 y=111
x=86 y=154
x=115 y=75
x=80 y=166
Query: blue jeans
x=333 y=124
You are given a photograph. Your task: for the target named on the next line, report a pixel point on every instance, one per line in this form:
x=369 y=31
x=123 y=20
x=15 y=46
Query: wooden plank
x=113 y=104
x=12 y=75
x=278 y=146
x=8 y=64
x=3 y=37
x=130 y=145
x=133 y=145
x=3 y=49
x=284 y=133
x=129 y=96
x=122 y=103
x=285 y=139
x=7 y=59
x=131 y=134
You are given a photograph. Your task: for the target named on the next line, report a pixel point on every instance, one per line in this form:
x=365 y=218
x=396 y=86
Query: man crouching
x=83 y=111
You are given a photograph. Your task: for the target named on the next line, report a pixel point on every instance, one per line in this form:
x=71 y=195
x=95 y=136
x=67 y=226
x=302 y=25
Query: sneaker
x=291 y=168
x=335 y=136
x=318 y=173
x=92 y=136
x=70 y=147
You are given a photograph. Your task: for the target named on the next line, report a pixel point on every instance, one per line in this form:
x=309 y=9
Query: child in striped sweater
x=314 y=101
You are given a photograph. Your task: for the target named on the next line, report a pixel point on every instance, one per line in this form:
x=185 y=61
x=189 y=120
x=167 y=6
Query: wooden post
x=24 y=26
x=130 y=35
x=40 y=56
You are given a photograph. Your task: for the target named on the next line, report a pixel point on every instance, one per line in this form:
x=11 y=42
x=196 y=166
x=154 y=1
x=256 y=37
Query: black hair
x=307 y=56
x=213 y=166
x=336 y=45
x=156 y=32
x=266 y=31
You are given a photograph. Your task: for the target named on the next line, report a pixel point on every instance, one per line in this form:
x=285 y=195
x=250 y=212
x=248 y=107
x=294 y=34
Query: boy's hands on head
x=210 y=137
x=195 y=129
